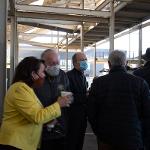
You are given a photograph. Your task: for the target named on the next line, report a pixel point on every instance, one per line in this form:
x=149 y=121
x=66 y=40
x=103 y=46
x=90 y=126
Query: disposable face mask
x=83 y=65
x=53 y=70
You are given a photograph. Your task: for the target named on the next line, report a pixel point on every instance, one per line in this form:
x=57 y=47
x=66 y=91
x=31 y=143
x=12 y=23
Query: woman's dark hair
x=25 y=68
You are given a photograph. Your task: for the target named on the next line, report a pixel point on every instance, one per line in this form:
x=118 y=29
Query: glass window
x=146 y=38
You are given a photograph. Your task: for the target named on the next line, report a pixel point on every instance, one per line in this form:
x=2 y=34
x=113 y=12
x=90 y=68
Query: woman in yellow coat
x=23 y=113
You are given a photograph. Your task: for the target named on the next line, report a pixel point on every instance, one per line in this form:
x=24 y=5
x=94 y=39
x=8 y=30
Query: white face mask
x=53 y=70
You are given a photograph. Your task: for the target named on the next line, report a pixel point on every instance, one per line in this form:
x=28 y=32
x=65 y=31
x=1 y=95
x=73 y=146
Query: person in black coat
x=119 y=108
x=144 y=71
x=56 y=80
x=77 y=112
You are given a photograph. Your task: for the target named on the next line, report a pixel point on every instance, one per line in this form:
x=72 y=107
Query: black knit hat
x=146 y=56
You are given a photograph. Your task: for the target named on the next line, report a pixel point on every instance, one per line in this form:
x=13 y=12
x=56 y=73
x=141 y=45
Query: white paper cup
x=66 y=93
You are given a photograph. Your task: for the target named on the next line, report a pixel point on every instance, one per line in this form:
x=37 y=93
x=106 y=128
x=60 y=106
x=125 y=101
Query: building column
x=67 y=52
x=140 y=45
x=3 y=20
x=82 y=29
x=111 y=26
x=58 y=41
x=13 y=47
x=94 y=64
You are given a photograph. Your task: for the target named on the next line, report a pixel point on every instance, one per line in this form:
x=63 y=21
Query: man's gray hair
x=47 y=51
x=117 y=58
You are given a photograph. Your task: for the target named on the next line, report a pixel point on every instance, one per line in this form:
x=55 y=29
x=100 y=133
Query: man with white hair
x=119 y=108
x=54 y=132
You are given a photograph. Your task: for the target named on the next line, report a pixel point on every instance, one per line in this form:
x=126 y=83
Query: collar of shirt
x=117 y=68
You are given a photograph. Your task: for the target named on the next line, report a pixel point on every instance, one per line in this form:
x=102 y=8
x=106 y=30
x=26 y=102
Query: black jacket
x=78 y=86
x=49 y=93
x=119 y=109
x=144 y=72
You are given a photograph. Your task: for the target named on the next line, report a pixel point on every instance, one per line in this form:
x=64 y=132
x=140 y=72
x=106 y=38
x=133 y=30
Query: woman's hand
x=64 y=101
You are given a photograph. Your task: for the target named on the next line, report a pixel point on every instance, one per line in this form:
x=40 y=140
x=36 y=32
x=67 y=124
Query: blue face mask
x=83 y=65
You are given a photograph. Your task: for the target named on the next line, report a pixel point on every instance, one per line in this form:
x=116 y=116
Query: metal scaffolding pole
x=140 y=45
x=112 y=26
x=129 y=46
x=82 y=37
x=58 y=41
x=82 y=29
x=67 y=52
x=94 y=64
x=13 y=47
x=3 y=19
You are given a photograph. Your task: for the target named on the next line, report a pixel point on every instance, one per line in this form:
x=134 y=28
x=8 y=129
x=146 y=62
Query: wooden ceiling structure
x=67 y=16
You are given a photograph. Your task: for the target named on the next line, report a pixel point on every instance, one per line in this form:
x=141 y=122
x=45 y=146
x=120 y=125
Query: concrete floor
x=90 y=140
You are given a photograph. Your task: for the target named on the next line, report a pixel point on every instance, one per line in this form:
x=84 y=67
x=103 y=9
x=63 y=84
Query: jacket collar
x=79 y=72
x=117 y=69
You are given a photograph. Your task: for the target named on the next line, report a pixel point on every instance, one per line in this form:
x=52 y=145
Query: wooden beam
x=133 y=14
x=98 y=31
x=43 y=35
x=59 y=10
x=47 y=27
x=25 y=1
x=87 y=39
x=143 y=1
x=48 y=45
x=94 y=35
x=49 y=16
x=102 y=4
x=126 y=19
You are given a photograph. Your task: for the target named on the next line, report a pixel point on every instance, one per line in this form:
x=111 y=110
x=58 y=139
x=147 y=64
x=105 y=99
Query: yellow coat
x=23 y=117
